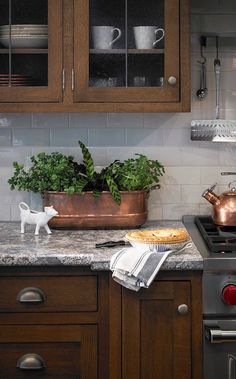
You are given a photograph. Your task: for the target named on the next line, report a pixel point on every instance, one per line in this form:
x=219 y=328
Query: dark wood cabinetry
x=161 y=329
x=72 y=323
x=76 y=74
x=53 y=324
x=31 y=58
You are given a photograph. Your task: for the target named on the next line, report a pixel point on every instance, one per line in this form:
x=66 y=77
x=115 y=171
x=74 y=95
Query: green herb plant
x=58 y=172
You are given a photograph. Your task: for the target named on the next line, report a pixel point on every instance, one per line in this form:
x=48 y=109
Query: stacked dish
x=24 y=36
x=159 y=240
x=15 y=80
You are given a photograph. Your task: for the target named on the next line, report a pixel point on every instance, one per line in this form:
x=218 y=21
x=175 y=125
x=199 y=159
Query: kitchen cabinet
x=30 y=51
x=53 y=323
x=75 y=323
x=161 y=329
x=81 y=69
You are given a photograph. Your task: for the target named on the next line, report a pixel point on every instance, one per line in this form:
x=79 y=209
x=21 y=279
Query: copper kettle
x=224 y=205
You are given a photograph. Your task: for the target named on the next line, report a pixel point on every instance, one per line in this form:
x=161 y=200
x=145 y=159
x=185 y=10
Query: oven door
x=219 y=349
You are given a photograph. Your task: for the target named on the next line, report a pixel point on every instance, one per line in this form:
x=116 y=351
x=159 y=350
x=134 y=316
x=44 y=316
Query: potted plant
x=84 y=198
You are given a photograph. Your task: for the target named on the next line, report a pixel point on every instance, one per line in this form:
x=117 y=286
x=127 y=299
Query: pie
x=158 y=236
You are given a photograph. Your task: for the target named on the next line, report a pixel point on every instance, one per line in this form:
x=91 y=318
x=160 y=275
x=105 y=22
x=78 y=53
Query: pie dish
x=159 y=239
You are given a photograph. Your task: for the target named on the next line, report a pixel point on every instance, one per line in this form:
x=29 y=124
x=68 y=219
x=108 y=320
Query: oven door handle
x=216 y=335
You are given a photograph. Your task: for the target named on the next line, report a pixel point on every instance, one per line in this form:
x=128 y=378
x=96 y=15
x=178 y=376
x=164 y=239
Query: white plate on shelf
x=24 y=35
x=29 y=42
x=26 y=26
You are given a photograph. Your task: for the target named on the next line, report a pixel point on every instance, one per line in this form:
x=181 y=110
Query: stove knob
x=229 y=294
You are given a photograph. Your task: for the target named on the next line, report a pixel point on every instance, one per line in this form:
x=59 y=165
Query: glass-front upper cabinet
x=30 y=50
x=127 y=50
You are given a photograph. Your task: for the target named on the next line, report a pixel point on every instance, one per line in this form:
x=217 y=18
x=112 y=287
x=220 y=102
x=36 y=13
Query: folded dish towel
x=134 y=268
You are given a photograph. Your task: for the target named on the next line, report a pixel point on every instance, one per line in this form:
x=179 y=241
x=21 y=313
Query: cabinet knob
x=172 y=80
x=182 y=309
x=31 y=295
x=31 y=362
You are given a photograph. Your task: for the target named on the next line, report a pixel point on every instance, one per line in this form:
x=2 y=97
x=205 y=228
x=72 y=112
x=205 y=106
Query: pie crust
x=158 y=236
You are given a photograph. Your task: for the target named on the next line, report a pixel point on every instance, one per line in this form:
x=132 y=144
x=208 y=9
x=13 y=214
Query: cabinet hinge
x=63 y=79
x=73 y=79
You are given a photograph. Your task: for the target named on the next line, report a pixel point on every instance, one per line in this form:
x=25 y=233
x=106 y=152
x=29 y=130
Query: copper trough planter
x=87 y=212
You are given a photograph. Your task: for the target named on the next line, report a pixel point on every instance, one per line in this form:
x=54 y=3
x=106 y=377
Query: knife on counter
x=112 y=243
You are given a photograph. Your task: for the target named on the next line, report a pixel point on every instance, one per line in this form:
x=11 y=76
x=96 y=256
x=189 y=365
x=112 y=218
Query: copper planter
x=87 y=212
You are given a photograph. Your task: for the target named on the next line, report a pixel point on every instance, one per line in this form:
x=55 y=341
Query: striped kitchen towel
x=135 y=269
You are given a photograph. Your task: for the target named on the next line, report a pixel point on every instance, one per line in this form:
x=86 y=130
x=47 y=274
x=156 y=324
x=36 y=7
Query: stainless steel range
x=218 y=248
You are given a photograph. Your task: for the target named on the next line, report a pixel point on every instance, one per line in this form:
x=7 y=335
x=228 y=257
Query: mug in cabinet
x=145 y=36
x=104 y=36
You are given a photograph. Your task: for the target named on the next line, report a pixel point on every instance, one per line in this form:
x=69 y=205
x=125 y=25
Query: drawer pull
x=31 y=362
x=31 y=295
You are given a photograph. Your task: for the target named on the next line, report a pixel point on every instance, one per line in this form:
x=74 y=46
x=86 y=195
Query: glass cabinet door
x=126 y=50
x=30 y=50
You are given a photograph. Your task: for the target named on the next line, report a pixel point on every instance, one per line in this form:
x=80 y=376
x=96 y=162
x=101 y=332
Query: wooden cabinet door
x=126 y=71
x=156 y=337
x=31 y=51
x=55 y=352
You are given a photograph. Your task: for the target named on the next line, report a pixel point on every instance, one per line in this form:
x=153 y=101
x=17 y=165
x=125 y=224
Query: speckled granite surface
x=77 y=248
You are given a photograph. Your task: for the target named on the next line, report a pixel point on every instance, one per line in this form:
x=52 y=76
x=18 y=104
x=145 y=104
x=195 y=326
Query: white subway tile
x=126 y=152
x=15 y=120
x=88 y=120
x=170 y=156
x=13 y=197
x=5 y=212
x=227 y=154
x=177 y=137
x=30 y=137
x=155 y=195
x=155 y=212
x=5 y=174
x=192 y=194
x=218 y=23
x=205 y=210
x=65 y=137
x=50 y=120
x=36 y=201
x=5 y=137
x=166 y=120
x=144 y=137
x=176 y=211
x=15 y=214
x=201 y=155
x=227 y=6
x=106 y=137
x=211 y=175
x=9 y=155
x=203 y=6
x=170 y=194
x=182 y=175
x=125 y=120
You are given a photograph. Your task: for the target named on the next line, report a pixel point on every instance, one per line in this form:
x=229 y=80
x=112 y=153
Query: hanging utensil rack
x=213 y=132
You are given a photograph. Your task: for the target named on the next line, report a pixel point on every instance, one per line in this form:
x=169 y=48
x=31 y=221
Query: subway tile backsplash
x=190 y=166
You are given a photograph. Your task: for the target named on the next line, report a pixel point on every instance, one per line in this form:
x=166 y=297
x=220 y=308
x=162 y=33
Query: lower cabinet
x=73 y=323
x=53 y=323
x=48 y=352
x=158 y=336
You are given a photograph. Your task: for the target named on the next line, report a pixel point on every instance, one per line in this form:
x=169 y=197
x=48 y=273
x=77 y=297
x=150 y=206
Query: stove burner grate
x=219 y=239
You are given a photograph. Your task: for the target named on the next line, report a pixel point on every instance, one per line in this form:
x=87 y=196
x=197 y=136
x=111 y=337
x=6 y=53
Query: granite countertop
x=77 y=248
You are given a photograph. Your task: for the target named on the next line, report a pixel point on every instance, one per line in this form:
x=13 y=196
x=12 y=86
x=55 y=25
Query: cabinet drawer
x=48 y=352
x=48 y=294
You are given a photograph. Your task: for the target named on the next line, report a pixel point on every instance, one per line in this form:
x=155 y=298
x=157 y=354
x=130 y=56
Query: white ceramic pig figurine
x=39 y=219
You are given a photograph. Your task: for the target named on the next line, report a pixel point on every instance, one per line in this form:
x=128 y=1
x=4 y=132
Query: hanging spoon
x=202 y=91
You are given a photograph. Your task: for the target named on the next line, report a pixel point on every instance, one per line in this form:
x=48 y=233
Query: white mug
x=103 y=36
x=145 y=36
